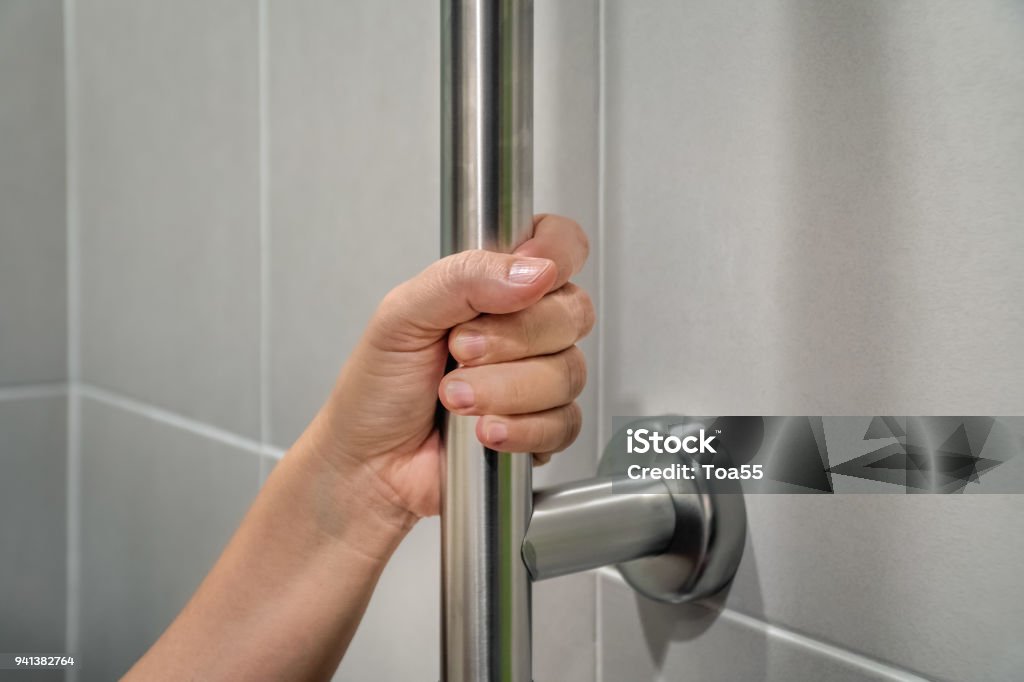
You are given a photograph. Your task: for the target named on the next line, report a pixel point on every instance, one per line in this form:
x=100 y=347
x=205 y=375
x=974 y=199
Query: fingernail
x=470 y=345
x=527 y=270
x=460 y=394
x=497 y=433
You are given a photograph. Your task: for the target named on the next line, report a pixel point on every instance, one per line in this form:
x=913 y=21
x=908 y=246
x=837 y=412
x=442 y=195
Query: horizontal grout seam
x=819 y=647
x=178 y=421
x=33 y=391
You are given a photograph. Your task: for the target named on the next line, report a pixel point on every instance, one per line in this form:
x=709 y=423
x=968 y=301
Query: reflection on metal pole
x=487 y=179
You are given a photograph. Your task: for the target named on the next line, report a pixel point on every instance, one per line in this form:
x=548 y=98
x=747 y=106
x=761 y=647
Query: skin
x=285 y=597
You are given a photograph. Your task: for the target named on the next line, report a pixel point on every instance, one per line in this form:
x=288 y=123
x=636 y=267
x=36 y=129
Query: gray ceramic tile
x=157 y=506
x=644 y=640
x=693 y=145
x=33 y=287
x=805 y=200
x=169 y=196
x=399 y=637
x=33 y=526
x=812 y=209
x=927 y=581
x=354 y=113
x=564 y=629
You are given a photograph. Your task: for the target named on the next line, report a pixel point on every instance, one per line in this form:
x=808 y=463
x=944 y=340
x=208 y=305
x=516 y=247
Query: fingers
x=553 y=324
x=560 y=239
x=540 y=459
x=456 y=289
x=531 y=385
x=542 y=432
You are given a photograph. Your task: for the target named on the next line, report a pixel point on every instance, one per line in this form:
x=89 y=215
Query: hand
x=510 y=320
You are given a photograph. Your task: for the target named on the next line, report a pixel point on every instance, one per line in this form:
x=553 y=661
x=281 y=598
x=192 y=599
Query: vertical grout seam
x=601 y=264
x=263 y=78
x=73 y=336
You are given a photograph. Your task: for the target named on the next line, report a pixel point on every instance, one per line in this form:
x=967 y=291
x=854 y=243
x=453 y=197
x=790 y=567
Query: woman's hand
x=512 y=322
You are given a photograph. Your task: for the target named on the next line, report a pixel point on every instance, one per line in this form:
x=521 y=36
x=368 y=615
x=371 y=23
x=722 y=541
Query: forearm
x=285 y=597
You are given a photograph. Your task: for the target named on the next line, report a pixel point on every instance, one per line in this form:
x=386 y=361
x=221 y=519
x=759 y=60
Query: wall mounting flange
x=711 y=521
x=672 y=540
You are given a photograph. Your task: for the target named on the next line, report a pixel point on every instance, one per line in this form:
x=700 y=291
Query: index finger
x=558 y=239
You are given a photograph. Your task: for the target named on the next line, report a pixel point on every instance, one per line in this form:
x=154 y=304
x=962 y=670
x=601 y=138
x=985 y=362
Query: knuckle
x=585 y=315
x=575 y=369
x=582 y=236
x=515 y=394
x=466 y=265
x=573 y=423
x=539 y=436
x=525 y=336
x=389 y=329
x=389 y=306
x=451 y=267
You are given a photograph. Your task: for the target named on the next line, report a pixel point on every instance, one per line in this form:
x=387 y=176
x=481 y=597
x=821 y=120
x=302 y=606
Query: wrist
x=353 y=505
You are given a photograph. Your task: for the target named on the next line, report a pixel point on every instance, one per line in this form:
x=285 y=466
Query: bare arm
x=285 y=597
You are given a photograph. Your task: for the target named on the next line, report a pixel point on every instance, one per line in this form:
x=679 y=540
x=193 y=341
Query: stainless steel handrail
x=487 y=182
x=671 y=544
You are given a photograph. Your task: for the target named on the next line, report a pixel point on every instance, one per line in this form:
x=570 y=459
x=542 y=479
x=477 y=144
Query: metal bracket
x=672 y=541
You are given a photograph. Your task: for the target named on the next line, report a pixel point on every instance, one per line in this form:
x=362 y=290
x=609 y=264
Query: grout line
x=32 y=391
x=263 y=78
x=72 y=273
x=171 y=418
x=273 y=451
x=601 y=264
x=598 y=629
x=598 y=613
x=792 y=637
x=74 y=530
x=821 y=648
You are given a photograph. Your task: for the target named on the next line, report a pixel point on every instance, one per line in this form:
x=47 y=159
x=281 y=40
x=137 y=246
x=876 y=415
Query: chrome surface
x=711 y=522
x=486 y=203
x=584 y=525
x=671 y=542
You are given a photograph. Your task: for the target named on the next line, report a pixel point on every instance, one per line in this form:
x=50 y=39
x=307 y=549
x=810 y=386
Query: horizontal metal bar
x=583 y=525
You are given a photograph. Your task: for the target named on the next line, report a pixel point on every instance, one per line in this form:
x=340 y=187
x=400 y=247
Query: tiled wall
x=252 y=177
x=33 y=338
x=814 y=208
x=807 y=208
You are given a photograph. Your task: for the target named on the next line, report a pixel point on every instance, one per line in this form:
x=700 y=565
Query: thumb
x=455 y=290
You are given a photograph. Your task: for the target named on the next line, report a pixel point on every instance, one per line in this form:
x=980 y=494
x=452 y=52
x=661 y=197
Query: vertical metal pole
x=487 y=203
